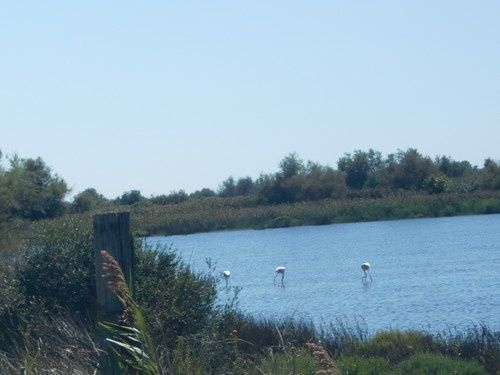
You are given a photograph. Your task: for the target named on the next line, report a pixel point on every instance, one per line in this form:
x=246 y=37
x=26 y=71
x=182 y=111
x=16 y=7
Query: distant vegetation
x=364 y=186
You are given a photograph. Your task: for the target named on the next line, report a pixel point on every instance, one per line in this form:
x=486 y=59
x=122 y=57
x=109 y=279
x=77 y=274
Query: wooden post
x=112 y=233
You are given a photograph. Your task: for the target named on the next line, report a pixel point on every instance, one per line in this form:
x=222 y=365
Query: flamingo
x=226 y=274
x=366 y=269
x=280 y=270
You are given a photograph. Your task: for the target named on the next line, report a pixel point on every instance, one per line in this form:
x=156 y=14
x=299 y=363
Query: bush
x=175 y=301
x=58 y=269
x=477 y=342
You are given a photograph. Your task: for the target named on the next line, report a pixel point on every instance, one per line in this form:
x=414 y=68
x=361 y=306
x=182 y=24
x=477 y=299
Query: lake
x=428 y=274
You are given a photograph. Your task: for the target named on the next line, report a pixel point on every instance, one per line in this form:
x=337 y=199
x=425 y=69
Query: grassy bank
x=212 y=214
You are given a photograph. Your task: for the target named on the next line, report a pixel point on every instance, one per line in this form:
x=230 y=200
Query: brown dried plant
x=115 y=280
x=326 y=363
x=129 y=339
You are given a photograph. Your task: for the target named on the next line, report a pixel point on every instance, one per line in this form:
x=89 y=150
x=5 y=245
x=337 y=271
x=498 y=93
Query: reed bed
x=212 y=214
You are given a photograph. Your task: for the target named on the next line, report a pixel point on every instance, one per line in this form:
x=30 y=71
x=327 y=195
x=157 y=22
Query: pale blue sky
x=161 y=96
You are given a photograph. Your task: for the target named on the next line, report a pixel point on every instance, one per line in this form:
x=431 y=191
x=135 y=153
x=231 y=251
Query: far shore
x=220 y=214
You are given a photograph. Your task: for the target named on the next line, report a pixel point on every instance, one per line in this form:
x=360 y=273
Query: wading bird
x=226 y=274
x=366 y=269
x=279 y=270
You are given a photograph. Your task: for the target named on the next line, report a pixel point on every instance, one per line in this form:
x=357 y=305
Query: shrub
x=175 y=301
x=58 y=269
x=477 y=342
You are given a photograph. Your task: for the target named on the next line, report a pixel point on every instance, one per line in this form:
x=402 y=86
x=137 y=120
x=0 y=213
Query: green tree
x=244 y=186
x=436 y=184
x=453 y=168
x=130 y=197
x=228 y=188
x=88 y=200
x=490 y=175
x=6 y=204
x=409 y=169
x=36 y=192
x=284 y=186
x=291 y=165
x=360 y=168
x=203 y=193
x=232 y=188
x=322 y=182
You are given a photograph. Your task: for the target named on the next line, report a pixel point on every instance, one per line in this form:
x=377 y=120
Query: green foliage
x=175 y=301
x=322 y=182
x=478 y=343
x=88 y=200
x=396 y=345
x=418 y=364
x=205 y=354
x=58 y=269
x=291 y=362
x=490 y=175
x=232 y=188
x=360 y=168
x=173 y=198
x=129 y=198
x=452 y=168
x=430 y=363
x=357 y=365
x=210 y=214
x=203 y=193
x=408 y=169
x=255 y=334
x=31 y=191
x=436 y=184
x=291 y=165
x=244 y=186
x=228 y=188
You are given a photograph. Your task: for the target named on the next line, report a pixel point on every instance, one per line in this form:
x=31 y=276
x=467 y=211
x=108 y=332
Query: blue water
x=428 y=274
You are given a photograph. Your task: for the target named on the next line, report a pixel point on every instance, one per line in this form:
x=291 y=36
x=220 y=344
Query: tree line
x=30 y=190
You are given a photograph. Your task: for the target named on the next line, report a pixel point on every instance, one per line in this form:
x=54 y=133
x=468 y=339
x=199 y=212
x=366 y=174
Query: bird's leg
x=369 y=273
x=275 y=276
x=282 y=278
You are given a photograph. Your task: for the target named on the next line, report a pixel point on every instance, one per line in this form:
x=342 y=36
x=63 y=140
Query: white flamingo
x=226 y=274
x=366 y=269
x=280 y=270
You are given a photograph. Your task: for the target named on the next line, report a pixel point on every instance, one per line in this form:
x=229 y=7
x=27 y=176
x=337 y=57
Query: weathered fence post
x=112 y=233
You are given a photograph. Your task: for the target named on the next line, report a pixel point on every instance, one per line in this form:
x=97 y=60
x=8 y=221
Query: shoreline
x=215 y=215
